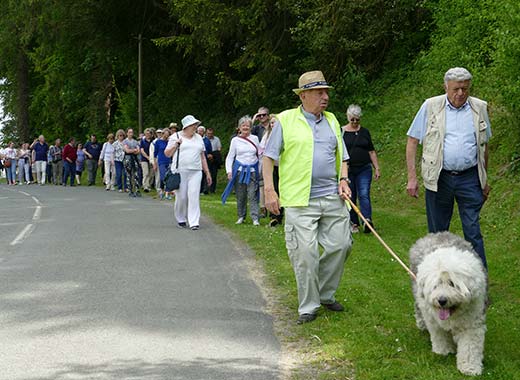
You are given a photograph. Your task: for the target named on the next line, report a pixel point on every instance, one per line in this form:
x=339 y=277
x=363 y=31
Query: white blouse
x=242 y=151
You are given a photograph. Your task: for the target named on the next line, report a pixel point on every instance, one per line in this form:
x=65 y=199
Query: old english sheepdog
x=450 y=297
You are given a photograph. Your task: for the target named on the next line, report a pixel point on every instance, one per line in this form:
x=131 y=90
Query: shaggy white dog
x=450 y=297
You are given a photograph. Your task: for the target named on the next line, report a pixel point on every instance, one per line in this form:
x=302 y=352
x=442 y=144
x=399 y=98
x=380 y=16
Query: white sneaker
x=240 y=220
x=256 y=223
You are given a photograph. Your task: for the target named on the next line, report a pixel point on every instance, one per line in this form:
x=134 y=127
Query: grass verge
x=376 y=338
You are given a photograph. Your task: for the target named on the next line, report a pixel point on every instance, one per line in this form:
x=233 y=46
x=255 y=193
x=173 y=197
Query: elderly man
x=260 y=122
x=215 y=158
x=92 y=150
x=313 y=188
x=40 y=150
x=454 y=130
x=56 y=152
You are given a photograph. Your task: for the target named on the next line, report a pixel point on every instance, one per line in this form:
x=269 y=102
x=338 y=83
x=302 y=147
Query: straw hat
x=311 y=80
x=189 y=120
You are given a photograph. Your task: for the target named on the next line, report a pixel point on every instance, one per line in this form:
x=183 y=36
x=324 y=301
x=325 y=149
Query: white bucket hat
x=189 y=120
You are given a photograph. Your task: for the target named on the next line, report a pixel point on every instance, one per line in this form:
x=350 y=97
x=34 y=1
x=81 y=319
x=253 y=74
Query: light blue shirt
x=460 y=142
x=324 y=177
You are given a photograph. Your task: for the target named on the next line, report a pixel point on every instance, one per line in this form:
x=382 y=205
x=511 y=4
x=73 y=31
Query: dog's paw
x=469 y=370
x=443 y=350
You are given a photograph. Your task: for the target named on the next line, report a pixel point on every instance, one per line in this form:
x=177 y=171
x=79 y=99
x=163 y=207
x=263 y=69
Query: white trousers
x=110 y=174
x=187 y=198
x=41 y=171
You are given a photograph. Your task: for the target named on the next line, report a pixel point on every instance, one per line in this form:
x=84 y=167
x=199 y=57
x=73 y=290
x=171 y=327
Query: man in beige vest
x=454 y=130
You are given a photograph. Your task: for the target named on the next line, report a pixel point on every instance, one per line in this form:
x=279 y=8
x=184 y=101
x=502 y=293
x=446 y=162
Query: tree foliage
x=219 y=59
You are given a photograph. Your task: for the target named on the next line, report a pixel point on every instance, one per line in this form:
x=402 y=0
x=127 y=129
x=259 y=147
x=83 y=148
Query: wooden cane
x=367 y=224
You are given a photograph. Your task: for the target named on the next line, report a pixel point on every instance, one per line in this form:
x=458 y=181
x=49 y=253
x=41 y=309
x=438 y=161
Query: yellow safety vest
x=297 y=156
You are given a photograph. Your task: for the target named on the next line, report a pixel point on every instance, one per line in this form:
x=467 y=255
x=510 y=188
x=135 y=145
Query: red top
x=69 y=152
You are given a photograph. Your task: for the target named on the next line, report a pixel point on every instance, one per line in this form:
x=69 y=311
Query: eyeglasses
x=354 y=120
x=262 y=114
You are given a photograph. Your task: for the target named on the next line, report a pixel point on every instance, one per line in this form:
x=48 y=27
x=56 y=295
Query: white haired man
x=454 y=130
x=313 y=188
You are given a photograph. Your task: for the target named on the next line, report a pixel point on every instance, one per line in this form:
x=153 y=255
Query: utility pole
x=140 y=86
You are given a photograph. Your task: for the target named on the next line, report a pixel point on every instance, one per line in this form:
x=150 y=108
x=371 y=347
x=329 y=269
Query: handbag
x=172 y=181
x=7 y=163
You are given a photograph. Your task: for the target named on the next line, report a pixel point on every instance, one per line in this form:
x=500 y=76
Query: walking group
x=300 y=164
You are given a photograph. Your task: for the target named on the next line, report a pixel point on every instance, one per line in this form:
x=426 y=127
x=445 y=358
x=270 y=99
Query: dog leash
x=367 y=224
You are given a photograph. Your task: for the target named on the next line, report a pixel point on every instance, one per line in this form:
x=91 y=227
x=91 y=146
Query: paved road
x=97 y=285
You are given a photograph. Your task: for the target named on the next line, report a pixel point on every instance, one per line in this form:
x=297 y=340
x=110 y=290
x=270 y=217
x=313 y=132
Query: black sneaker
x=305 y=318
x=194 y=228
x=367 y=229
x=335 y=306
x=181 y=224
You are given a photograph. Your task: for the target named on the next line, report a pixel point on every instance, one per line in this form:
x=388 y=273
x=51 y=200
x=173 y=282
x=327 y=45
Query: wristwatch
x=345 y=179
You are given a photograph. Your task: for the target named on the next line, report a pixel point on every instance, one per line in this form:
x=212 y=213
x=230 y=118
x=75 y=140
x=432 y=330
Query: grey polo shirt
x=324 y=176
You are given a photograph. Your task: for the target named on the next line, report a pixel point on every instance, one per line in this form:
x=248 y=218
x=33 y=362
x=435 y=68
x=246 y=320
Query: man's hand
x=272 y=203
x=412 y=188
x=486 y=191
x=344 y=190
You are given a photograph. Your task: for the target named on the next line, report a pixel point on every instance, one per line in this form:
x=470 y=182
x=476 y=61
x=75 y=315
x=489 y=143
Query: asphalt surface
x=97 y=285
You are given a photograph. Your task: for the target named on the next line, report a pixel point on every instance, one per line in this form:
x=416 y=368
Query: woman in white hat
x=188 y=146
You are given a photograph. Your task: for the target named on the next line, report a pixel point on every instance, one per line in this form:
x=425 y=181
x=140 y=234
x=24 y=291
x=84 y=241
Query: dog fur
x=450 y=297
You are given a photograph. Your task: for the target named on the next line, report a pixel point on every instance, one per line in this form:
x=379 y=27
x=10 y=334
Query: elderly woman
x=162 y=162
x=107 y=157
x=362 y=157
x=131 y=162
x=243 y=171
x=24 y=163
x=10 y=155
x=119 y=156
x=80 y=162
x=187 y=149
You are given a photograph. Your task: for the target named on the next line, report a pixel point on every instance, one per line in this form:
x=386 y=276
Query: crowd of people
x=128 y=164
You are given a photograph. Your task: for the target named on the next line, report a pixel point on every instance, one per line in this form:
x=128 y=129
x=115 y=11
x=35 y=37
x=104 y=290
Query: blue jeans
x=120 y=175
x=466 y=190
x=69 y=169
x=360 y=182
x=10 y=172
x=163 y=169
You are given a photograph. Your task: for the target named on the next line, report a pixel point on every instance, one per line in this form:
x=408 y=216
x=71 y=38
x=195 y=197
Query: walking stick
x=367 y=224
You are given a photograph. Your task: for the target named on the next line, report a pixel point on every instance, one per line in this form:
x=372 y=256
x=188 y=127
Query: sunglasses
x=262 y=114
x=354 y=120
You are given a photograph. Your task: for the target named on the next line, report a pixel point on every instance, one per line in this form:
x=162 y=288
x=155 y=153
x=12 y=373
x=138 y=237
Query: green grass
x=376 y=338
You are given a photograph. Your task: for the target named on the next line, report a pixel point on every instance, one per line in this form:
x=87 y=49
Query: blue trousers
x=69 y=170
x=120 y=176
x=360 y=182
x=466 y=190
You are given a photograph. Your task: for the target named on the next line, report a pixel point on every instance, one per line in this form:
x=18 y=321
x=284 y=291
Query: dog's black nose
x=442 y=301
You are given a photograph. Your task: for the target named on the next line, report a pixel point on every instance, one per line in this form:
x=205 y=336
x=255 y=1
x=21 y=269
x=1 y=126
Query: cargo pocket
x=291 y=242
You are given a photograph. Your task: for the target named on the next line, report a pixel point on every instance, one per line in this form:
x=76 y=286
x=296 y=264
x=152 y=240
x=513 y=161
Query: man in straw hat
x=313 y=188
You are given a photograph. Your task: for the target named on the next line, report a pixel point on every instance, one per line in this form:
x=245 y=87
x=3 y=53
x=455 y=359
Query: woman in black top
x=362 y=157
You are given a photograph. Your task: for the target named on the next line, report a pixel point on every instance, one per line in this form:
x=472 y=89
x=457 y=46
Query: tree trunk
x=22 y=80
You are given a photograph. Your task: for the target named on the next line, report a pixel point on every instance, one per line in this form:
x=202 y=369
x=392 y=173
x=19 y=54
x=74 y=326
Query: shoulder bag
x=172 y=181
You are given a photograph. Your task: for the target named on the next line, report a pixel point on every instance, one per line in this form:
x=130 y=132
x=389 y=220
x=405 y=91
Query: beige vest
x=433 y=141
